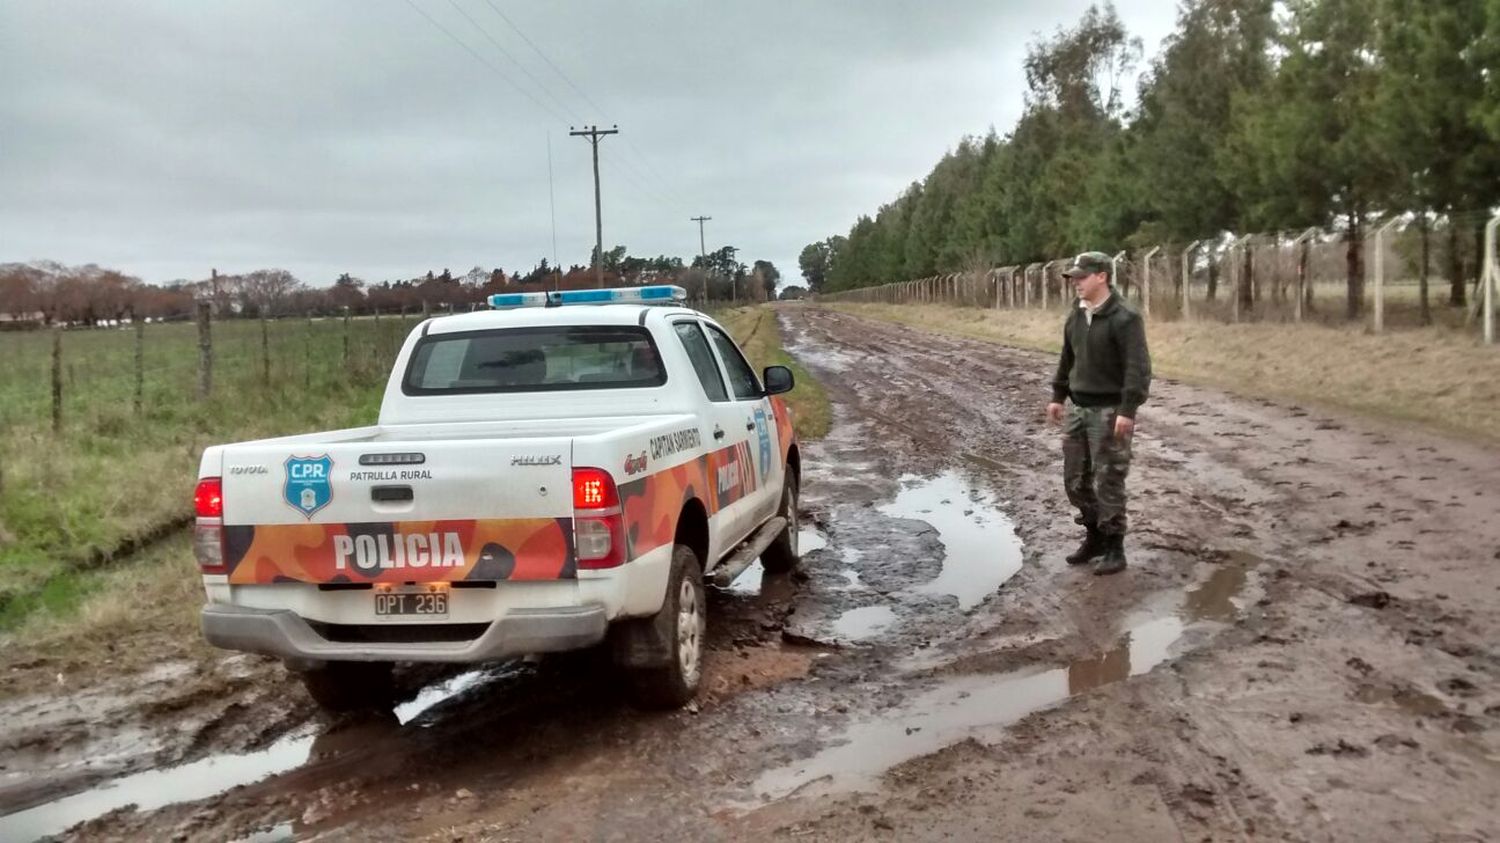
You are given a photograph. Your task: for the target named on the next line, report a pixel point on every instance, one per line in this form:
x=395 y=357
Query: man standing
x=1106 y=370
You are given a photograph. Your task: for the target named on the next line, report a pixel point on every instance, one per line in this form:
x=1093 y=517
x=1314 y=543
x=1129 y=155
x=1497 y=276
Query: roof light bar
x=660 y=294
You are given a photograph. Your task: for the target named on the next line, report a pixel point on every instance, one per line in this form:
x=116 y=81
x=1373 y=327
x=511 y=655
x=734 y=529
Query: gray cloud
x=166 y=138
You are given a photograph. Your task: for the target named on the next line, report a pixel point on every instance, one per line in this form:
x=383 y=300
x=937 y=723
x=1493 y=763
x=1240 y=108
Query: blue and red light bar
x=659 y=294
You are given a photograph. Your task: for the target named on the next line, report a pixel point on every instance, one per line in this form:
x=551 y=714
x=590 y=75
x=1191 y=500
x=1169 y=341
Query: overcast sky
x=326 y=136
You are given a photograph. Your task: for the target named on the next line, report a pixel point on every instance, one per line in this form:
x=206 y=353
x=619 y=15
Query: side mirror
x=778 y=379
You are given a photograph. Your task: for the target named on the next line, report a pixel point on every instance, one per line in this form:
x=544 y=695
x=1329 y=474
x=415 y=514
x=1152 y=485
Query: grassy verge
x=120 y=620
x=754 y=328
x=1431 y=376
x=111 y=476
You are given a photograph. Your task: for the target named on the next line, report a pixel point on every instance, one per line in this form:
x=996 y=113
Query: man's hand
x=1124 y=426
x=1055 y=413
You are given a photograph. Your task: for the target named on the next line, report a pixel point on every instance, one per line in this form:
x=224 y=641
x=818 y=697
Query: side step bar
x=747 y=553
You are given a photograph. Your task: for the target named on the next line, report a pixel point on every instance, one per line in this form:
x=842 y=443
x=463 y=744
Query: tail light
x=208 y=498
x=598 y=525
x=208 y=531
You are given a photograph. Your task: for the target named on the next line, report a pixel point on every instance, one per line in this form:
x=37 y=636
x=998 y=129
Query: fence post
x=1380 y=274
x=346 y=337
x=265 y=353
x=205 y=352
x=1239 y=276
x=1114 y=272
x=1303 y=246
x=1146 y=282
x=307 y=353
x=140 y=364
x=1491 y=277
x=1187 y=278
x=1046 y=272
x=57 y=388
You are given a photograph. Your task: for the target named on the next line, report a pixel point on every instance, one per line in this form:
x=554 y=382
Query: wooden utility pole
x=702 y=251
x=594 y=133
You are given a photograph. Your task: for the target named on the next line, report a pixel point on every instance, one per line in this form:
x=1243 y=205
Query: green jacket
x=1105 y=364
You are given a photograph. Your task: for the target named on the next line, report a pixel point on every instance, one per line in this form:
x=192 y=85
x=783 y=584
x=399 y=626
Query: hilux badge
x=552 y=459
x=309 y=485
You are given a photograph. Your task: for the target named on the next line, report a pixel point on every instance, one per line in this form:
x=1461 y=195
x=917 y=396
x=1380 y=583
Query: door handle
x=718 y=432
x=750 y=425
x=391 y=494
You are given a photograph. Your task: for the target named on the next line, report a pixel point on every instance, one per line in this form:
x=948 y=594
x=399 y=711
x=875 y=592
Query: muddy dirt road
x=1304 y=648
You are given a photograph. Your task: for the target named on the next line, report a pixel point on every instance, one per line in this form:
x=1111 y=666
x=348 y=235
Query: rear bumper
x=278 y=632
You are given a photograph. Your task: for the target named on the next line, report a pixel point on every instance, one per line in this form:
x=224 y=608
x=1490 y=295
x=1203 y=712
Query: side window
x=741 y=377
x=703 y=360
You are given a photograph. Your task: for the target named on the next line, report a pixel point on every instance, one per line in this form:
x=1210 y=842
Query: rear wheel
x=339 y=687
x=684 y=623
x=781 y=555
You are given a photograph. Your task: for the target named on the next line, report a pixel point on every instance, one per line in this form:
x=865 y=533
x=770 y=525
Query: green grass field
x=111 y=475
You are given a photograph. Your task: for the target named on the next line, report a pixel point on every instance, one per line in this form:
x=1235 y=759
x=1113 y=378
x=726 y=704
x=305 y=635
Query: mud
x=933 y=672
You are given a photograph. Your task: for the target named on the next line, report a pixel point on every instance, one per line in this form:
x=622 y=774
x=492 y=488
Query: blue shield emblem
x=309 y=485
x=764 y=431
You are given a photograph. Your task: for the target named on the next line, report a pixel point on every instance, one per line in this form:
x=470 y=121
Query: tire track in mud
x=1208 y=692
x=1304 y=491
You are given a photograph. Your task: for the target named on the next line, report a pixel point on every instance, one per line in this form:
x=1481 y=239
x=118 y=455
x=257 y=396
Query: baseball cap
x=1088 y=263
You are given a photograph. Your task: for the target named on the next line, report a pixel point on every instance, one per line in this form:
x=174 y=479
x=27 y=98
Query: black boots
x=1114 y=556
x=1092 y=548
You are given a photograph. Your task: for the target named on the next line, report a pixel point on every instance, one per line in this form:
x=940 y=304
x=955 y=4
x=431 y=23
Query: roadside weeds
x=754 y=328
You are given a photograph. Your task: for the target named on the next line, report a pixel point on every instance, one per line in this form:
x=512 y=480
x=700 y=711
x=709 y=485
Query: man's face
x=1092 y=286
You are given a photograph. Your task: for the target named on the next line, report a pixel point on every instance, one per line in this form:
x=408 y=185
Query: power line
x=627 y=168
x=477 y=57
x=514 y=61
x=652 y=172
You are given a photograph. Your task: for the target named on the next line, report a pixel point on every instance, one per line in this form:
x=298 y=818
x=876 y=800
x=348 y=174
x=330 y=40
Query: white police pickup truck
x=544 y=476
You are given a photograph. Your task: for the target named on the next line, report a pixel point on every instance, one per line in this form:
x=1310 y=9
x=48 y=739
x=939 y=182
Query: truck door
x=755 y=422
x=725 y=439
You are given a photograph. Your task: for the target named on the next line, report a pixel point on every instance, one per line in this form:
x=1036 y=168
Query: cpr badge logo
x=764 y=432
x=309 y=485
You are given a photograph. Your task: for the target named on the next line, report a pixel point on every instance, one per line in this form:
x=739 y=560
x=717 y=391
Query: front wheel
x=780 y=556
x=684 y=622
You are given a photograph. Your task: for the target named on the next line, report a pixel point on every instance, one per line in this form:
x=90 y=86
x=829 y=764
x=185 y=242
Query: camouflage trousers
x=1095 y=465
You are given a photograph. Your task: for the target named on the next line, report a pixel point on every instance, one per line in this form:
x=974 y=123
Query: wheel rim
x=792 y=527
x=689 y=632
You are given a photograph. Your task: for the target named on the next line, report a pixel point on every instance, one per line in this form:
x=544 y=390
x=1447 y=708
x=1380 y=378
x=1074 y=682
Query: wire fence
x=117 y=376
x=1409 y=272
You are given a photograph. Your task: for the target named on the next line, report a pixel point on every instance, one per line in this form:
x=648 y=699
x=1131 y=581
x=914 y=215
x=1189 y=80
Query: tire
x=781 y=556
x=683 y=621
x=340 y=687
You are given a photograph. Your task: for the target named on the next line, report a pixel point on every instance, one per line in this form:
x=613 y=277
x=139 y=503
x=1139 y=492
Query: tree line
x=1255 y=116
x=48 y=292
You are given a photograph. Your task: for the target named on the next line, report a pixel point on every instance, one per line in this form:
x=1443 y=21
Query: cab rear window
x=534 y=360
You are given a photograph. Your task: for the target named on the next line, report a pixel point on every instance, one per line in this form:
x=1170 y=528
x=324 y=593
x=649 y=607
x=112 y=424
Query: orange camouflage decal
x=733 y=472
x=651 y=504
x=784 y=432
x=402 y=551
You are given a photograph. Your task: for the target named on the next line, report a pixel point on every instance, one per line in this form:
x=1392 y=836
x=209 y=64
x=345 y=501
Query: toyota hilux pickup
x=564 y=470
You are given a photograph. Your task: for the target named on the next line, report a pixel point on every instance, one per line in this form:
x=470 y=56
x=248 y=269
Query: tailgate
x=413 y=511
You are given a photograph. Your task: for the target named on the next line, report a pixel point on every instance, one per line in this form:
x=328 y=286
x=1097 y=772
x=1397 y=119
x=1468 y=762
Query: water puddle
x=864 y=622
x=436 y=693
x=982 y=706
x=981 y=548
x=201 y=779
x=833 y=360
x=157 y=788
x=749 y=581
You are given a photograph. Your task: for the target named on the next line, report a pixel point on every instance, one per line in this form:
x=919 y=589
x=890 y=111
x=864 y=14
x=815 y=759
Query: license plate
x=425 y=603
